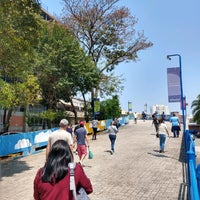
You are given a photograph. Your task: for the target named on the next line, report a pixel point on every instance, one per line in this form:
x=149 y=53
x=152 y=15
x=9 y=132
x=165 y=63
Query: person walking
x=155 y=122
x=163 y=132
x=80 y=137
x=52 y=181
x=60 y=134
x=135 y=117
x=112 y=130
x=116 y=123
x=163 y=116
x=143 y=116
x=94 y=128
x=70 y=129
x=175 y=125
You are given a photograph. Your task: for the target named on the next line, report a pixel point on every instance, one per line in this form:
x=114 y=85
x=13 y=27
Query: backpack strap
x=72 y=181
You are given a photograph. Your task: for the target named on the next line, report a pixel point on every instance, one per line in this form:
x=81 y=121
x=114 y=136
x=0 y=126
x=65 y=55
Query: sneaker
x=111 y=152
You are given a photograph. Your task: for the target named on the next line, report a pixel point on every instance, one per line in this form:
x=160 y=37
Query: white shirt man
x=60 y=134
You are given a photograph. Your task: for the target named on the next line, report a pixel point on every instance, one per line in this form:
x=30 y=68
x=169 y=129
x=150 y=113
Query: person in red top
x=52 y=182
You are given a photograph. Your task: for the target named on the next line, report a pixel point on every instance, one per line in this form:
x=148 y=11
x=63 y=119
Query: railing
x=193 y=181
x=30 y=142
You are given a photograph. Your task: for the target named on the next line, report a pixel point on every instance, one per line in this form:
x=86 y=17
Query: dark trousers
x=156 y=127
x=94 y=137
x=175 y=130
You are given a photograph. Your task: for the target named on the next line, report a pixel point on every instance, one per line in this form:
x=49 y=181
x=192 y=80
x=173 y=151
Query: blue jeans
x=162 y=138
x=112 y=140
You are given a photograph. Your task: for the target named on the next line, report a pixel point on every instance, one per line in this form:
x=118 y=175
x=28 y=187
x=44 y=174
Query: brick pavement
x=137 y=171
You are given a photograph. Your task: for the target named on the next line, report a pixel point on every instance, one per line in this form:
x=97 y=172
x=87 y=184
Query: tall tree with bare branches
x=106 y=31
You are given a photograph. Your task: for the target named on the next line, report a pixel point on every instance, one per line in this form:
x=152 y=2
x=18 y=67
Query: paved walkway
x=137 y=171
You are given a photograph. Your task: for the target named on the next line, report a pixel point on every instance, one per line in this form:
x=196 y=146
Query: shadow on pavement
x=182 y=154
x=183 y=191
x=157 y=154
x=9 y=168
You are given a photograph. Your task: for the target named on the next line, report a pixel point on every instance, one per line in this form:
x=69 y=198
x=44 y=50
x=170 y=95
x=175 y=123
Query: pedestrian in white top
x=94 y=127
x=60 y=134
x=163 y=132
x=112 y=130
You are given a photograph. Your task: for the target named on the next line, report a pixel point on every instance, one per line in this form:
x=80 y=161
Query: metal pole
x=181 y=84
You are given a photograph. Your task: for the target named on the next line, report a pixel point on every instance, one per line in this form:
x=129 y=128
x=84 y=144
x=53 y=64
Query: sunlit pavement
x=136 y=171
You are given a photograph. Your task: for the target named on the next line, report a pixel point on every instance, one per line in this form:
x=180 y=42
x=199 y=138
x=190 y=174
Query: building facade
x=160 y=109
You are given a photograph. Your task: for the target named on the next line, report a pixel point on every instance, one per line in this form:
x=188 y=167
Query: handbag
x=90 y=154
x=81 y=194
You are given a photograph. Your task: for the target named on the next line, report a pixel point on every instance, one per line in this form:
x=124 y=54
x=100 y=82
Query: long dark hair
x=56 y=166
x=160 y=120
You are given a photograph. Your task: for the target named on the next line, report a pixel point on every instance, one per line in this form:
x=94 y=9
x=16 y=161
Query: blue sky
x=173 y=28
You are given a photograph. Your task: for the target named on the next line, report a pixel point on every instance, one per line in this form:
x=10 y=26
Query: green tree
x=106 y=31
x=62 y=67
x=49 y=116
x=20 y=22
x=110 y=108
x=196 y=109
x=28 y=93
x=17 y=94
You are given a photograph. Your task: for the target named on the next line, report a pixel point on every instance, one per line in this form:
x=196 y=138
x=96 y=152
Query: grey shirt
x=112 y=130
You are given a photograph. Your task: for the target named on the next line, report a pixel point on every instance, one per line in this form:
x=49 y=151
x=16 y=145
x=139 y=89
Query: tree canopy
x=106 y=32
x=110 y=108
x=62 y=67
x=48 y=61
x=196 y=109
x=20 y=22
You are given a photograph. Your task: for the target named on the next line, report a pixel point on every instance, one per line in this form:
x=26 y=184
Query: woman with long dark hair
x=52 y=182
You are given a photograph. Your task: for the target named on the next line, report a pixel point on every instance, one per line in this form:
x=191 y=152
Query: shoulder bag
x=90 y=154
x=82 y=195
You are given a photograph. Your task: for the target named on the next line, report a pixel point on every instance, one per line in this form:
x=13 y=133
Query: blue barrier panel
x=198 y=176
x=194 y=193
x=11 y=144
x=27 y=143
x=24 y=142
x=108 y=121
x=191 y=163
x=126 y=119
x=122 y=121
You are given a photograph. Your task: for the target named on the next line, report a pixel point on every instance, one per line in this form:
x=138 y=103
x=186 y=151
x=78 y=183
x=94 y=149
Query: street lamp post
x=181 y=85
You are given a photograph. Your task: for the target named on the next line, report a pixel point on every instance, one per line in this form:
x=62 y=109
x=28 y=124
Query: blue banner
x=174 y=87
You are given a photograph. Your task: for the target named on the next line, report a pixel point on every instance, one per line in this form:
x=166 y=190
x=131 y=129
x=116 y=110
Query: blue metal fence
x=193 y=172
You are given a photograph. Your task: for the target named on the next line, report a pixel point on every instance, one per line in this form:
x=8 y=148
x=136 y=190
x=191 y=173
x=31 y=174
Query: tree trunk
x=74 y=111
x=4 y=120
x=85 y=109
x=7 y=117
x=25 y=127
